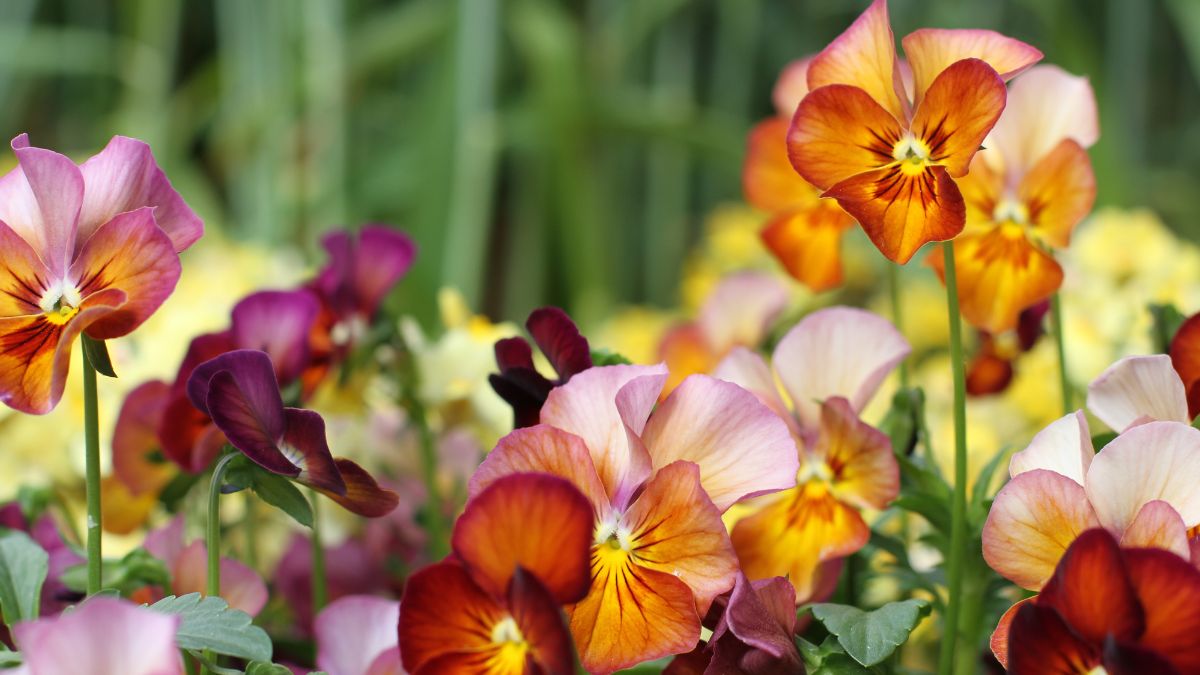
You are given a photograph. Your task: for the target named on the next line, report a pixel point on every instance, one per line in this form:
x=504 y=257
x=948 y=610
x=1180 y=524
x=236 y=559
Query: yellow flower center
x=511 y=646
x=912 y=154
x=60 y=303
x=1010 y=210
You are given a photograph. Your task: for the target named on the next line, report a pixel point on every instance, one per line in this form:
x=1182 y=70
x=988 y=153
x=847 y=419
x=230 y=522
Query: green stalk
x=435 y=524
x=320 y=585
x=1060 y=343
x=212 y=538
x=91 y=438
x=958 y=513
x=250 y=532
x=897 y=314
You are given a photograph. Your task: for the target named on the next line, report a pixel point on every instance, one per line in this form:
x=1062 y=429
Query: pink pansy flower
x=1136 y=390
x=658 y=479
x=241 y=586
x=830 y=365
x=104 y=636
x=356 y=635
x=91 y=248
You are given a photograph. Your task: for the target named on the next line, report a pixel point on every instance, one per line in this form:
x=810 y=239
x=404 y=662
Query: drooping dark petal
x=364 y=495
x=559 y=339
x=537 y=614
x=303 y=442
x=248 y=426
x=255 y=376
x=513 y=352
x=278 y=323
x=202 y=348
x=762 y=614
x=187 y=436
x=1040 y=643
x=525 y=390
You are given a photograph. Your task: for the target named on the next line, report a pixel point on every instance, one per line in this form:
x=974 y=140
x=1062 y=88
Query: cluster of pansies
x=775 y=482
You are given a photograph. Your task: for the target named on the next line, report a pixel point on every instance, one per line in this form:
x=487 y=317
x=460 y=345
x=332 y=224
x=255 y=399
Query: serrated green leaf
x=23 y=568
x=97 y=355
x=210 y=623
x=283 y=495
x=871 y=637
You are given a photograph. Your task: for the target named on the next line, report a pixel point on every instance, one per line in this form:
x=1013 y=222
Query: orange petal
x=1059 y=191
x=1185 y=357
x=960 y=108
x=981 y=188
x=124 y=511
x=686 y=352
x=23 y=276
x=768 y=179
x=864 y=56
x=901 y=212
x=796 y=532
x=988 y=372
x=808 y=243
x=865 y=472
x=1169 y=590
x=1039 y=642
x=535 y=521
x=838 y=132
x=1092 y=592
x=932 y=50
x=135 y=439
x=1000 y=274
x=444 y=612
x=545 y=449
x=999 y=639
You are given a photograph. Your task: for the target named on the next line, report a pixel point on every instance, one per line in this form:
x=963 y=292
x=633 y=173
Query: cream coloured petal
x=1065 y=447
x=1136 y=389
x=1045 y=105
x=1157 y=460
x=742 y=447
x=740 y=310
x=1158 y=525
x=839 y=351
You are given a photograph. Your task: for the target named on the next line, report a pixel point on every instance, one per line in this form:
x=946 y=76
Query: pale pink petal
x=1157 y=460
x=40 y=201
x=387 y=663
x=587 y=406
x=791 y=86
x=741 y=310
x=166 y=542
x=1138 y=388
x=353 y=632
x=749 y=370
x=1158 y=525
x=1045 y=106
x=1033 y=520
x=542 y=449
x=124 y=177
x=1065 y=446
x=840 y=351
x=241 y=586
x=741 y=446
x=106 y=636
x=931 y=50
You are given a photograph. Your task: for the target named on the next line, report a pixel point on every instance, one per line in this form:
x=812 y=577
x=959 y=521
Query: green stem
x=250 y=533
x=435 y=524
x=212 y=539
x=958 y=513
x=320 y=585
x=91 y=437
x=1060 y=342
x=897 y=314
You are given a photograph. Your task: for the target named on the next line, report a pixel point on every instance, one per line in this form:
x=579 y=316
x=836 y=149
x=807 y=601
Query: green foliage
x=871 y=637
x=23 y=568
x=97 y=355
x=271 y=488
x=209 y=623
x=137 y=569
x=829 y=658
x=605 y=357
x=174 y=491
x=1166 y=320
x=264 y=668
x=9 y=658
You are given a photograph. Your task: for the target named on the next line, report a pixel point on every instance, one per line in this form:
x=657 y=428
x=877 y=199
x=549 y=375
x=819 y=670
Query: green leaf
x=263 y=668
x=178 y=488
x=9 y=658
x=901 y=423
x=283 y=495
x=97 y=354
x=137 y=569
x=828 y=659
x=23 y=568
x=1166 y=322
x=605 y=357
x=210 y=623
x=871 y=637
x=34 y=501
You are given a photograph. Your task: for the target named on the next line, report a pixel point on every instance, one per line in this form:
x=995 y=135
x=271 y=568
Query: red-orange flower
x=889 y=159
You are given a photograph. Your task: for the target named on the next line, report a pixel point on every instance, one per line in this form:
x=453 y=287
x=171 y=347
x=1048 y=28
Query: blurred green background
x=540 y=151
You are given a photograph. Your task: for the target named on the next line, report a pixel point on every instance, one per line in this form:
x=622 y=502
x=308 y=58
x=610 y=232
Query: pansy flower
x=1136 y=390
x=993 y=366
x=239 y=391
x=520 y=552
x=356 y=635
x=91 y=248
x=738 y=313
x=658 y=479
x=1108 y=609
x=888 y=154
x=804 y=232
x=830 y=365
x=519 y=383
x=1024 y=195
x=137 y=459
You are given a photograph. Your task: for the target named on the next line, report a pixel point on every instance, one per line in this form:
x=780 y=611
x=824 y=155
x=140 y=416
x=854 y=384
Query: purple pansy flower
x=519 y=383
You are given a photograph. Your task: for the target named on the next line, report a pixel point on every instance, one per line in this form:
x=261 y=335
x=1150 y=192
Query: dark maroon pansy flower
x=238 y=390
x=992 y=369
x=519 y=383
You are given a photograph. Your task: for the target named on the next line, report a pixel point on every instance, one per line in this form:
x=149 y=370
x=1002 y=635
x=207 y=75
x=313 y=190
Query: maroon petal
x=384 y=256
x=363 y=496
x=202 y=348
x=1039 y=642
x=1127 y=659
x=763 y=615
x=250 y=427
x=559 y=339
x=513 y=352
x=255 y=376
x=278 y=323
x=305 y=445
x=187 y=436
x=1092 y=591
x=525 y=390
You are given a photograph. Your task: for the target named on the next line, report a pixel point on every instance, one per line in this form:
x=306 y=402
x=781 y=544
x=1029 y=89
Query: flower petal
x=1169 y=590
x=353 y=631
x=40 y=200
x=124 y=177
x=958 y=111
x=839 y=351
x=839 y=132
x=808 y=243
x=768 y=180
x=1064 y=446
x=1158 y=460
x=685 y=351
x=559 y=339
x=1185 y=358
x=741 y=309
x=864 y=56
x=23 y=276
x=1033 y=520
x=135 y=439
x=363 y=494
x=750 y=371
x=1138 y=388
x=188 y=436
x=762 y=614
x=999 y=640
x=544 y=449
x=109 y=635
x=587 y=407
x=1039 y=642
x=363 y=269
x=790 y=88
x=241 y=586
x=540 y=620
x=124 y=511
x=1045 y=106
x=132 y=254
x=1092 y=592
x=741 y=447
x=444 y=612
x=538 y=522
x=930 y=51
x=278 y=323
x=1059 y=191
x=1158 y=525
x=865 y=472
x=254 y=429
x=304 y=444
x=795 y=533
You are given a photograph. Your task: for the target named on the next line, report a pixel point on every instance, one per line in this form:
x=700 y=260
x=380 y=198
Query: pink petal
x=106 y=634
x=387 y=663
x=40 y=200
x=353 y=632
x=840 y=351
x=1158 y=525
x=588 y=407
x=241 y=586
x=742 y=447
x=1158 y=460
x=124 y=177
x=1065 y=447
x=741 y=309
x=545 y=449
x=749 y=370
x=1045 y=106
x=1136 y=388
x=166 y=542
x=791 y=87
x=278 y=323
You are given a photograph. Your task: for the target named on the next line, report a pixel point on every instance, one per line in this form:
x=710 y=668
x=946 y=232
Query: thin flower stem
x=320 y=585
x=897 y=314
x=250 y=534
x=91 y=437
x=212 y=539
x=958 y=512
x=1060 y=342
